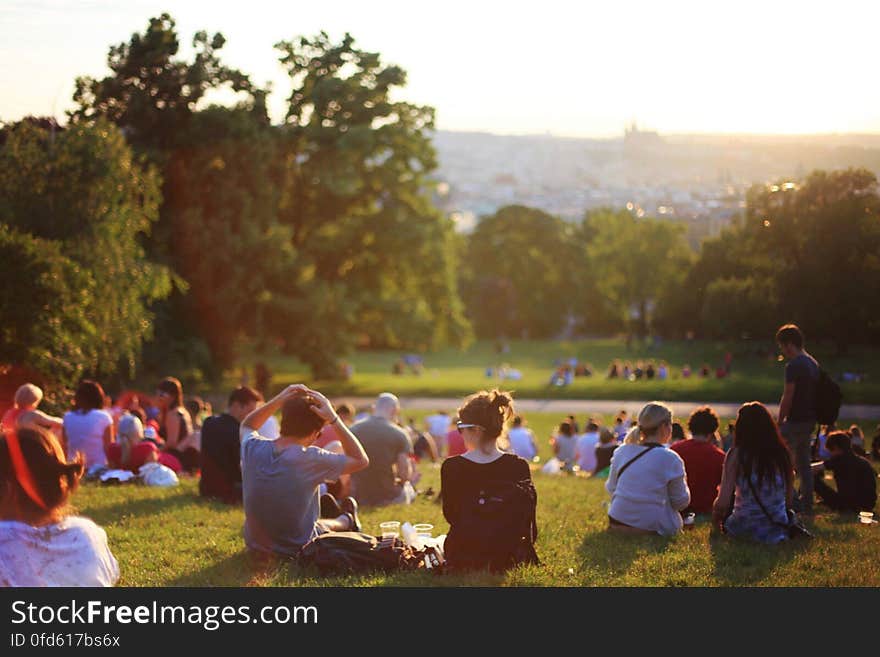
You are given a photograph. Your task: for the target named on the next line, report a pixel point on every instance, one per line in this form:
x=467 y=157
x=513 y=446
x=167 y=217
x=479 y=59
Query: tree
x=635 y=262
x=357 y=203
x=74 y=205
x=520 y=273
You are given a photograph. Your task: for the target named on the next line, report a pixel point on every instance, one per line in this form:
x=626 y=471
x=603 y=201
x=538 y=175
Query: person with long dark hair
x=757 y=485
x=175 y=423
x=88 y=428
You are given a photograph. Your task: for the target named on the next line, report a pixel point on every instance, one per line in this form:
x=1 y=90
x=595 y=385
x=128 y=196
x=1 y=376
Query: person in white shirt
x=586 y=447
x=648 y=485
x=438 y=426
x=88 y=428
x=522 y=440
x=40 y=544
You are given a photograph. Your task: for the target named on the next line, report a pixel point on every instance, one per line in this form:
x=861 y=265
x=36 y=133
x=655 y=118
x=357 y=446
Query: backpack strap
x=647 y=449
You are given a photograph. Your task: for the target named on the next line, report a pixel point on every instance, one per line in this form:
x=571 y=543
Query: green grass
x=171 y=537
x=457 y=373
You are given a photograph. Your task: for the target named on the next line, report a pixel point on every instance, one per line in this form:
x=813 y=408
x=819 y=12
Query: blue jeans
x=797 y=435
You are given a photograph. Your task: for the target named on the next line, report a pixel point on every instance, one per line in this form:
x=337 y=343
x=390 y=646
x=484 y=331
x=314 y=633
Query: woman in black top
x=488 y=496
x=175 y=423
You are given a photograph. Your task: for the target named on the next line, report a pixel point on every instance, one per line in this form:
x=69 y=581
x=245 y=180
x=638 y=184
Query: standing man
x=797 y=409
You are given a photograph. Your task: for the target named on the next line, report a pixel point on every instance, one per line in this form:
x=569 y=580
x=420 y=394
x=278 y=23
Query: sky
x=569 y=68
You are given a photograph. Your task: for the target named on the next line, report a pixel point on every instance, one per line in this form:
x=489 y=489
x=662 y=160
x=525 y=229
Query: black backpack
x=347 y=553
x=828 y=399
x=496 y=528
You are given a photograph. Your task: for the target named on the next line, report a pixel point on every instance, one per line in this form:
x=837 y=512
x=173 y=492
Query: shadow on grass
x=741 y=562
x=614 y=554
x=104 y=515
x=240 y=569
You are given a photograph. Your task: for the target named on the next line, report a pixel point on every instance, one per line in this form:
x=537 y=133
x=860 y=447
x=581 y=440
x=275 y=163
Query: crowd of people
x=309 y=474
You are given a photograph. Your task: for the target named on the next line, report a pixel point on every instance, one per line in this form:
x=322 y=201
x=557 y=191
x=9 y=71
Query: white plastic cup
x=424 y=530
x=866 y=517
x=390 y=530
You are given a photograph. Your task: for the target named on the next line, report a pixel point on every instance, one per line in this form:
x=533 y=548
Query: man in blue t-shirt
x=797 y=409
x=280 y=478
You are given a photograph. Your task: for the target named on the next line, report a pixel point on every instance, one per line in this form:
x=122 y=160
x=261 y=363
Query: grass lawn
x=170 y=537
x=457 y=373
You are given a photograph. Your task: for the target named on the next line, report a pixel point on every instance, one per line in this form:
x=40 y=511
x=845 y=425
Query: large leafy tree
x=520 y=278
x=357 y=202
x=74 y=206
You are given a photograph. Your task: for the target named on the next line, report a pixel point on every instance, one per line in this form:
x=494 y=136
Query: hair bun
x=500 y=399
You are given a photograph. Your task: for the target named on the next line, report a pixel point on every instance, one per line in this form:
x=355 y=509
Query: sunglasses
x=465 y=425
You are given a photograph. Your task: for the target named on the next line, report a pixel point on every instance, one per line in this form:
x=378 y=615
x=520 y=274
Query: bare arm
x=357 y=458
x=172 y=430
x=785 y=402
x=728 y=485
x=404 y=469
x=258 y=416
x=109 y=436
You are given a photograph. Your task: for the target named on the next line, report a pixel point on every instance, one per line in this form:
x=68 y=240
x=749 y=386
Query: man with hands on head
x=280 y=478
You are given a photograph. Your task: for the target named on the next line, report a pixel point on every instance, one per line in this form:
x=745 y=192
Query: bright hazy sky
x=567 y=67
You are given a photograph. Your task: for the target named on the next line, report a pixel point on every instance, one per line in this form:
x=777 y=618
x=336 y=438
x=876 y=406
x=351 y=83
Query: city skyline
x=681 y=68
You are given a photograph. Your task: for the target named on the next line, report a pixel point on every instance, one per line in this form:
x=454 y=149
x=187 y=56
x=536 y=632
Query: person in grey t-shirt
x=280 y=478
x=797 y=408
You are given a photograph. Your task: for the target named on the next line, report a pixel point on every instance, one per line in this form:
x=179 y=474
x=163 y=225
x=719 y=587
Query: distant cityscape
x=697 y=179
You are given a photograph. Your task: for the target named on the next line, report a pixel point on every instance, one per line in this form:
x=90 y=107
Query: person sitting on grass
x=280 y=478
x=392 y=474
x=858 y=440
x=604 y=451
x=703 y=462
x=647 y=483
x=855 y=478
x=41 y=544
x=586 y=447
x=564 y=444
x=757 y=484
x=131 y=451
x=489 y=500
x=24 y=412
x=220 y=465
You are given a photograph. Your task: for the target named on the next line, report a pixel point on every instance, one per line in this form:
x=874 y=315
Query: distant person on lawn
x=280 y=478
x=221 y=447
x=391 y=475
x=522 y=439
x=854 y=477
x=586 y=447
x=175 y=423
x=41 y=544
x=88 y=428
x=797 y=408
x=24 y=411
x=647 y=482
x=703 y=462
x=604 y=452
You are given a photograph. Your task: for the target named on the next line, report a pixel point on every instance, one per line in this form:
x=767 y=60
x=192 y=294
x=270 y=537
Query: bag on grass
x=156 y=474
x=347 y=553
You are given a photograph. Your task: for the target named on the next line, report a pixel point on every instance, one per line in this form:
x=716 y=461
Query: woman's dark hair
x=703 y=421
x=489 y=409
x=677 y=431
x=172 y=387
x=298 y=420
x=517 y=421
x=759 y=444
x=89 y=396
x=565 y=428
x=195 y=405
x=55 y=479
